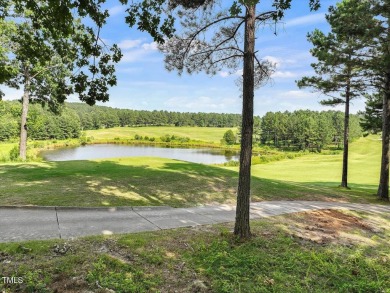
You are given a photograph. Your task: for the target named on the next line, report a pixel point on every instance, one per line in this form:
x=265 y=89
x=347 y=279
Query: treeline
x=97 y=117
x=304 y=129
x=41 y=122
x=299 y=130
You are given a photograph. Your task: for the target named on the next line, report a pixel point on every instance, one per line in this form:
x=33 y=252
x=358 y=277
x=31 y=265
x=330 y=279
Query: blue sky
x=144 y=83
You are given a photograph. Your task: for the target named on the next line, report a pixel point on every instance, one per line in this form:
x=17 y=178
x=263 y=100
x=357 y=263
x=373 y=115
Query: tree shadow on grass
x=142 y=182
x=112 y=183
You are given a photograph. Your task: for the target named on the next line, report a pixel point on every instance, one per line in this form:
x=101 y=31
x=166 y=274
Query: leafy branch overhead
x=51 y=39
x=211 y=37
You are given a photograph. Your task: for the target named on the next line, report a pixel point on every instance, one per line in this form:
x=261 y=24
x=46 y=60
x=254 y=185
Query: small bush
x=165 y=138
x=232 y=164
x=83 y=139
x=38 y=145
x=184 y=139
x=14 y=153
x=229 y=137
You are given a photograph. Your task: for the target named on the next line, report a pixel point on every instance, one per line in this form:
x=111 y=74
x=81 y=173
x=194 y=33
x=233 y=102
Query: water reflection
x=106 y=151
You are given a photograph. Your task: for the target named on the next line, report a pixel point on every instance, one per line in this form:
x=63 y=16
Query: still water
x=106 y=151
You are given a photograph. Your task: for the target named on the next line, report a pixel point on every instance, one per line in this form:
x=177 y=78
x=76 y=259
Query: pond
x=106 y=151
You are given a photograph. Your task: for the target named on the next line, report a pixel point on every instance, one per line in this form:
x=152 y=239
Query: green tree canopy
x=229 y=137
x=51 y=53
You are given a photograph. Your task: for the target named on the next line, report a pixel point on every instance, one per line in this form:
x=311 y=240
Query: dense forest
x=300 y=130
x=41 y=123
x=97 y=117
x=304 y=129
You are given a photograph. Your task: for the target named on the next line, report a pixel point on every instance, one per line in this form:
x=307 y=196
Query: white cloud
x=137 y=51
x=224 y=74
x=239 y=72
x=306 y=20
x=129 y=44
x=117 y=9
x=298 y=94
x=285 y=74
x=133 y=56
x=11 y=94
x=73 y=99
x=204 y=104
x=275 y=60
x=149 y=84
x=150 y=46
x=129 y=69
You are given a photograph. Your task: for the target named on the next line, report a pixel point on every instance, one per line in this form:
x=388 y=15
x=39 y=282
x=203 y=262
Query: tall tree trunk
x=383 y=190
x=344 y=177
x=23 y=124
x=242 y=228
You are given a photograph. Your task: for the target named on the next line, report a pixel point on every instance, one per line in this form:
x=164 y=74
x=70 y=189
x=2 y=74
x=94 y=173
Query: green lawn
x=325 y=170
x=326 y=251
x=158 y=181
x=205 y=134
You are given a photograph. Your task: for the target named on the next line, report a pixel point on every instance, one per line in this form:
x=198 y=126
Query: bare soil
x=329 y=226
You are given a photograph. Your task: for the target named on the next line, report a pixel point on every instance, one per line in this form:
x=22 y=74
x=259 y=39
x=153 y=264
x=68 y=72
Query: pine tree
x=339 y=73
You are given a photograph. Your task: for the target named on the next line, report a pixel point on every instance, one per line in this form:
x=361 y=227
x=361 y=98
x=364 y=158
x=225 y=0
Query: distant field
x=207 y=134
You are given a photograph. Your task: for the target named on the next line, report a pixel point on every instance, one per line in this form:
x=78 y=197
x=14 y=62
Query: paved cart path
x=28 y=223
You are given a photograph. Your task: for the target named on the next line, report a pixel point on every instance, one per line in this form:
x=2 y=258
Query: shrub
x=184 y=139
x=14 y=153
x=229 y=137
x=166 y=138
x=83 y=138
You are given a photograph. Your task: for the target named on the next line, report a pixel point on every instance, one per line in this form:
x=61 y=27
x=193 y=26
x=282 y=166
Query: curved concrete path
x=28 y=223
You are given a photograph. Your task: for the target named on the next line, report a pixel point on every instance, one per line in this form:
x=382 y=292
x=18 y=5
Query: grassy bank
x=193 y=137
x=323 y=251
x=180 y=137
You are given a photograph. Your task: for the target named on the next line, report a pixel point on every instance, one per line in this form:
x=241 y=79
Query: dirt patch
x=329 y=226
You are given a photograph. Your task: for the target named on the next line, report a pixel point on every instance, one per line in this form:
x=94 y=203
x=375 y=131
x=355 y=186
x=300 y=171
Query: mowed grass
x=324 y=170
x=128 y=182
x=156 y=181
x=116 y=182
x=205 y=134
x=148 y=181
x=351 y=256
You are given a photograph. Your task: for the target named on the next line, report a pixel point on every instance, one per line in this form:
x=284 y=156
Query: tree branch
x=192 y=38
x=265 y=15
